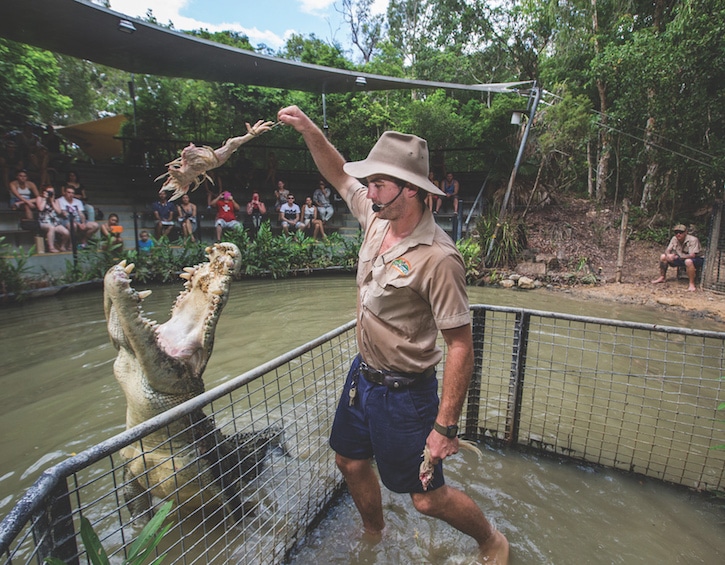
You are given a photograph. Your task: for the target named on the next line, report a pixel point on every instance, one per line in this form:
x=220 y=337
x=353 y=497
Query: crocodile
x=158 y=367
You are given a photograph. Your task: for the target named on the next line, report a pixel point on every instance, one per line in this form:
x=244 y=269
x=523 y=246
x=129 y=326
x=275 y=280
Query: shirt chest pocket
x=391 y=298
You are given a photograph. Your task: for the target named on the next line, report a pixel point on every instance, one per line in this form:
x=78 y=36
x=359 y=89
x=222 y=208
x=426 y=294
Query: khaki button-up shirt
x=408 y=293
x=690 y=245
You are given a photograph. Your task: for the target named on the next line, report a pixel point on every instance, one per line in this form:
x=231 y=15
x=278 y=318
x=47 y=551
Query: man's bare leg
x=458 y=509
x=663 y=271
x=364 y=487
x=691 y=273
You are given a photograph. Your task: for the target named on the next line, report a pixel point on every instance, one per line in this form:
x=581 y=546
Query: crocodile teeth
x=207 y=250
x=190 y=270
x=186 y=276
x=122 y=264
x=128 y=268
x=144 y=294
x=217 y=291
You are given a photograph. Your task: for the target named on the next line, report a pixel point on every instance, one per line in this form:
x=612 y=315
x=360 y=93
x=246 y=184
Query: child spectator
x=145 y=243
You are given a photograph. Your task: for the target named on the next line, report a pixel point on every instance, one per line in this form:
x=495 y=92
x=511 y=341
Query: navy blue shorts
x=679 y=262
x=390 y=425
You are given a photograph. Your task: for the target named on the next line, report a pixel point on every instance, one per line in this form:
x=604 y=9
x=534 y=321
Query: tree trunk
x=590 y=170
x=605 y=148
x=622 y=240
x=650 y=178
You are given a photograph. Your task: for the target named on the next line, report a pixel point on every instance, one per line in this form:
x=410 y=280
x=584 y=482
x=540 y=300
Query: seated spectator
x=23 y=195
x=322 y=197
x=75 y=216
x=433 y=201
x=280 y=195
x=226 y=213
x=145 y=243
x=683 y=250
x=51 y=224
x=310 y=219
x=113 y=230
x=289 y=215
x=450 y=188
x=186 y=212
x=164 y=214
x=72 y=179
x=255 y=210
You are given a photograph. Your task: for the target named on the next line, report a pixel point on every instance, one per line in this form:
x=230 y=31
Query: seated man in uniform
x=682 y=251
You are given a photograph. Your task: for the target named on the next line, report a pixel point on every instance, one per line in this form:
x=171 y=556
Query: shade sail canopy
x=97 y=139
x=88 y=31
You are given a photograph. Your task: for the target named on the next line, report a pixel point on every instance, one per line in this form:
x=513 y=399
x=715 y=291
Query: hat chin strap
x=378 y=207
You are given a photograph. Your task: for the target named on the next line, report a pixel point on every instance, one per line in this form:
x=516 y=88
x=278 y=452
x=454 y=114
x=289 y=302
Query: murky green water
x=60 y=397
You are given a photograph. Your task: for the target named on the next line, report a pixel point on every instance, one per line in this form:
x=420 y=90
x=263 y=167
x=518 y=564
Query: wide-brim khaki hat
x=680 y=227
x=398 y=155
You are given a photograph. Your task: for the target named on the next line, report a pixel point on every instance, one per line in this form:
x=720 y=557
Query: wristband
x=449 y=431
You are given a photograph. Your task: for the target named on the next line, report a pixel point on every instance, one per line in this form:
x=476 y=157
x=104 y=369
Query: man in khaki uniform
x=683 y=250
x=411 y=284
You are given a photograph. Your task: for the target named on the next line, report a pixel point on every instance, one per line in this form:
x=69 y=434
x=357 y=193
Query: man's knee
x=349 y=467
x=429 y=503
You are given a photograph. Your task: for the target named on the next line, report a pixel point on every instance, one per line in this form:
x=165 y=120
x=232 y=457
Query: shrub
x=506 y=245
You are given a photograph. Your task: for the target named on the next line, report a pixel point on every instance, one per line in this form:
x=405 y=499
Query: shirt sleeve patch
x=402 y=266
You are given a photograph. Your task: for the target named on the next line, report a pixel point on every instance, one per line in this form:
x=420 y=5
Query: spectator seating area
x=129 y=192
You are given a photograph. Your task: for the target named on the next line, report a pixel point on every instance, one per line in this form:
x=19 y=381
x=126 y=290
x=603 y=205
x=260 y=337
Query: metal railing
x=636 y=397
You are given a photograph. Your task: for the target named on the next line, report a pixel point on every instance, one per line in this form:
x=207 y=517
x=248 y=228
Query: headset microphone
x=378 y=207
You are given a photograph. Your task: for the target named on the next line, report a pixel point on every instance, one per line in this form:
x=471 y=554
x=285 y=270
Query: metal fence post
x=473 y=408
x=516 y=382
x=53 y=527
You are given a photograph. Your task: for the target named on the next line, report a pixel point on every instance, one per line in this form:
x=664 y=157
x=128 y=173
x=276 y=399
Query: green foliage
x=141 y=549
x=470 y=250
x=279 y=255
x=29 y=85
x=13 y=269
x=507 y=245
x=265 y=255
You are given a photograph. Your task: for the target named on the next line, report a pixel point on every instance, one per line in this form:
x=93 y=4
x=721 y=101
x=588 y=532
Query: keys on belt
x=392 y=379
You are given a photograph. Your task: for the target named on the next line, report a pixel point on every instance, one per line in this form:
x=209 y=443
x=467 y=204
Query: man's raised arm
x=327 y=158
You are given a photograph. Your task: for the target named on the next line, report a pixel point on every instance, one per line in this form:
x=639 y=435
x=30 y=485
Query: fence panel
x=279 y=417
x=629 y=396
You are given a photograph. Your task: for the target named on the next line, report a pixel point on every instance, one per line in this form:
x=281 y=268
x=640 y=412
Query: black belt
x=394 y=380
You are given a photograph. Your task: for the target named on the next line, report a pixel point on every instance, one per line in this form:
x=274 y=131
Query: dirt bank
x=580 y=234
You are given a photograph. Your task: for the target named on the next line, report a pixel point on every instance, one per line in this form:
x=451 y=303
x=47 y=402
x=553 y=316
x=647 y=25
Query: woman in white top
x=23 y=194
x=49 y=218
x=309 y=218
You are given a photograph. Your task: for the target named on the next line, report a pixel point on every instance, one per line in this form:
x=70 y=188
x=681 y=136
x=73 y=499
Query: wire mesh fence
x=629 y=396
x=246 y=464
x=248 y=467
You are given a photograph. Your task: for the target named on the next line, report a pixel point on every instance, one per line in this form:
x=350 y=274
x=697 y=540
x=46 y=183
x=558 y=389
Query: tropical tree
x=29 y=85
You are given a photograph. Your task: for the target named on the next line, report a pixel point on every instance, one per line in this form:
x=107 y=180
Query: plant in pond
x=279 y=255
x=163 y=262
x=13 y=269
x=506 y=246
x=141 y=549
x=470 y=250
x=93 y=261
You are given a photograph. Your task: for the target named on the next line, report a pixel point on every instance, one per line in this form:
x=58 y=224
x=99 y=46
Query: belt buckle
x=373 y=375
